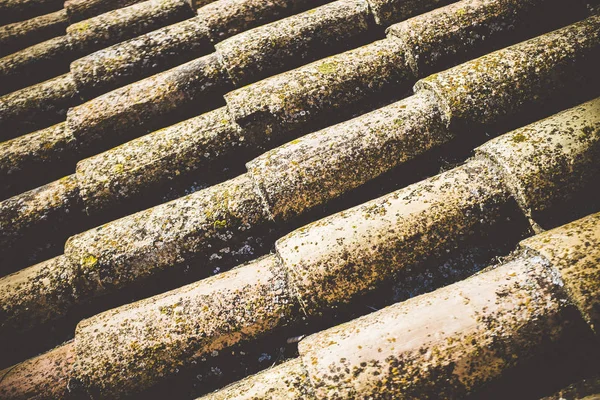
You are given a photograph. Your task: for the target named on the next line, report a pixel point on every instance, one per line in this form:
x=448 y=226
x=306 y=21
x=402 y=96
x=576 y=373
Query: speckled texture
x=106 y=179
x=36 y=106
x=387 y=12
x=539 y=65
x=140 y=88
x=225 y=18
x=84 y=9
x=316 y=16
x=574 y=249
x=277 y=105
x=34 y=159
x=143 y=106
x=35 y=64
x=111 y=69
x=444 y=344
x=105 y=109
x=124 y=23
x=140 y=57
x=47 y=59
x=556 y=158
x=155 y=338
x=18 y=35
x=264 y=138
x=465 y=198
x=303 y=32
x=464 y=30
x=143 y=167
x=333 y=260
x=20 y=10
x=285 y=381
x=322 y=165
x=448 y=209
x=163 y=48
x=159 y=337
x=35 y=295
x=294 y=41
x=210 y=224
x=44 y=377
x=39 y=210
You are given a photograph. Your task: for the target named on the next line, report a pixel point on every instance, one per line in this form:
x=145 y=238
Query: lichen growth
x=89 y=261
x=328 y=67
x=518 y=138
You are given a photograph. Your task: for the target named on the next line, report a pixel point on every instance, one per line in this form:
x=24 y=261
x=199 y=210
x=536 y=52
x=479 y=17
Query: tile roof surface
x=294 y=199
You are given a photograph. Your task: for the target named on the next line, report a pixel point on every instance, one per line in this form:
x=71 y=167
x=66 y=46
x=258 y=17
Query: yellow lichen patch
x=118 y=168
x=89 y=261
x=81 y=27
x=327 y=68
x=519 y=138
x=220 y=224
